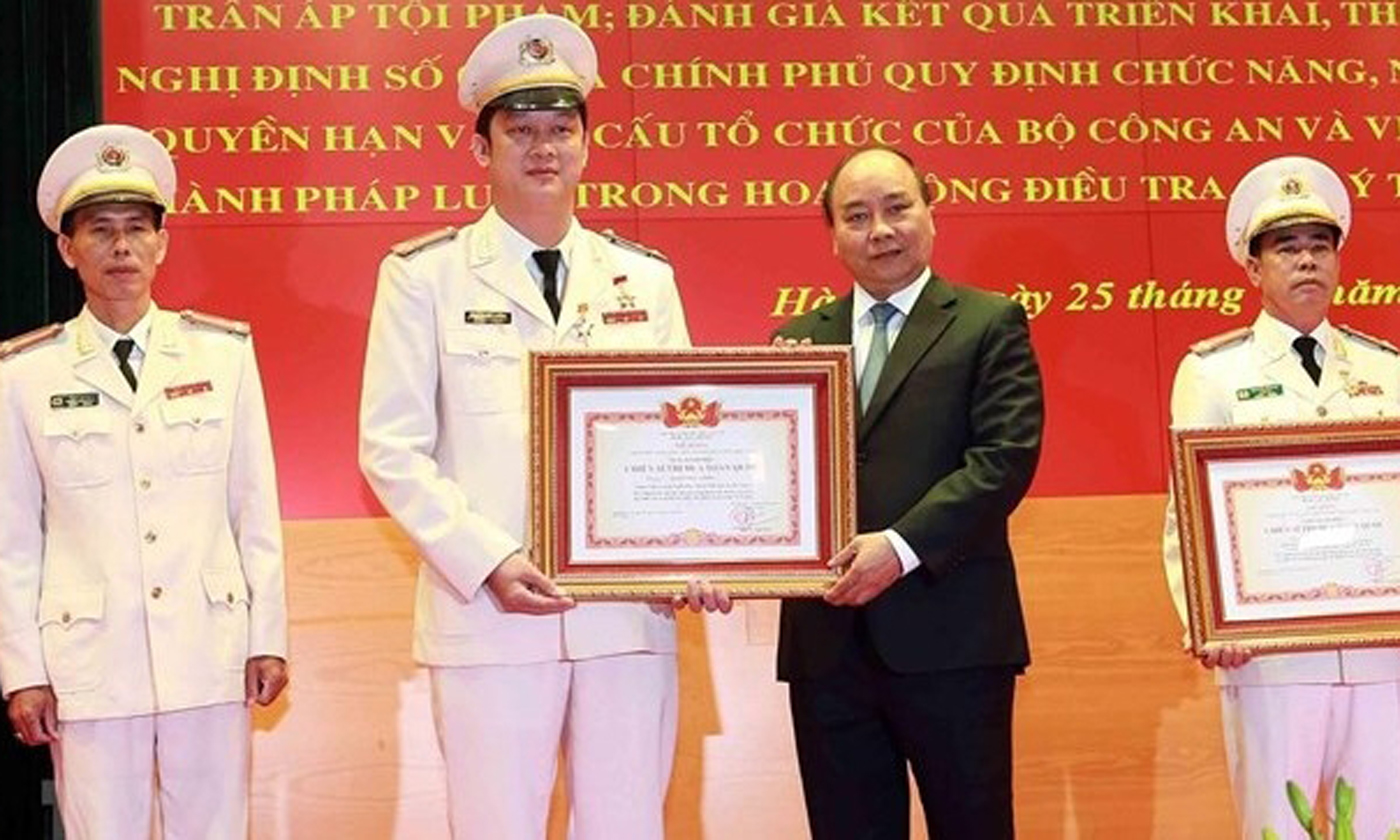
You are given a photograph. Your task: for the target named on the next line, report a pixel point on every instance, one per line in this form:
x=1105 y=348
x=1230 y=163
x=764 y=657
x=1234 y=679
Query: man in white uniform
x=142 y=605
x=1305 y=717
x=517 y=669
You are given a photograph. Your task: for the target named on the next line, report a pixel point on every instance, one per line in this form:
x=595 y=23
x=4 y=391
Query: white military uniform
x=1301 y=716
x=140 y=560
x=443 y=442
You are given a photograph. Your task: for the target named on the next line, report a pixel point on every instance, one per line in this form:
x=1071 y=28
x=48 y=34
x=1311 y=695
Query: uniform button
x=67 y=617
x=156 y=592
x=1322 y=411
x=145 y=484
x=230 y=597
x=150 y=536
x=139 y=426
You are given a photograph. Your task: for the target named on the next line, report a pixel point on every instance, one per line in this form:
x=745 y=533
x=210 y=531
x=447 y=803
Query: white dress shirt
x=862 y=331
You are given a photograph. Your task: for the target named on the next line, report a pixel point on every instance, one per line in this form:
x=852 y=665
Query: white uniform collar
x=516 y=247
x=139 y=333
x=1276 y=337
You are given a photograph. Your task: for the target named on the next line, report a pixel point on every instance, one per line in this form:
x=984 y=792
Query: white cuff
x=907 y=558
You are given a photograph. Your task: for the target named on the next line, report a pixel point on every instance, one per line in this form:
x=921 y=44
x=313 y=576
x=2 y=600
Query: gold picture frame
x=652 y=468
x=1290 y=534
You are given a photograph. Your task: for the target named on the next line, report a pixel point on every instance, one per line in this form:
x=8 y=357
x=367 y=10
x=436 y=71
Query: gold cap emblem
x=1292 y=186
x=112 y=157
x=536 y=51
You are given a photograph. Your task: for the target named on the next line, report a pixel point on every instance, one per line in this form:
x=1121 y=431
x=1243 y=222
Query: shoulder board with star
x=1378 y=343
x=228 y=325
x=409 y=247
x=1207 y=346
x=632 y=246
x=20 y=343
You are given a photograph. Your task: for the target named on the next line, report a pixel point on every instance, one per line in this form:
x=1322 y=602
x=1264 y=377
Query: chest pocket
x=1371 y=407
x=487 y=368
x=1271 y=409
x=71 y=630
x=81 y=448
x=196 y=433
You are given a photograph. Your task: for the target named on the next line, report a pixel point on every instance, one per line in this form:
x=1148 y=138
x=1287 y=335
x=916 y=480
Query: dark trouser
x=857 y=727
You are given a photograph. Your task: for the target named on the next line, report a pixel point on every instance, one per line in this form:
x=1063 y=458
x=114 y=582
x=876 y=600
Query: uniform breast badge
x=582 y=328
x=84 y=399
x=1362 y=388
x=188 y=389
x=627 y=311
x=1257 y=392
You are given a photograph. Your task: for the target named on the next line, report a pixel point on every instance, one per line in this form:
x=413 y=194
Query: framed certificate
x=652 y=468
x=1290 y=534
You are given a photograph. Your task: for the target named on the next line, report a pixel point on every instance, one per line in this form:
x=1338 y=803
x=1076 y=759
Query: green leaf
x=1346 y=803
x=1302 y=808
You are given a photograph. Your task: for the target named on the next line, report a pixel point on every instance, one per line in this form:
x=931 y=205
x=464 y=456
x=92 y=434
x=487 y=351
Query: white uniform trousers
x=107 y=773
x=501 y=727
x=1312 y=734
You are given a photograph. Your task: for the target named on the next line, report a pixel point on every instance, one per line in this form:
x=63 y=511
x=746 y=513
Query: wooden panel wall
x=1117 y=731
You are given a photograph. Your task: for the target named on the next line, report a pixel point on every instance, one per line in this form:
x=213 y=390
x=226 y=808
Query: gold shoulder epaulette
x=1378 y=343
x=1207 y=346
x=28 y=340
x=228 y=325
x=633 y=246
x=409 y=247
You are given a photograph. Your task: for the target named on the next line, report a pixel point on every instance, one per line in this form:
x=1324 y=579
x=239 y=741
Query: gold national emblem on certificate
x=690 y=411
x=1318 y=477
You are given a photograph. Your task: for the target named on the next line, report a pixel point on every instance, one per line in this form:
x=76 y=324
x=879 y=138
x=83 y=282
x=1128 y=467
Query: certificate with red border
x=1290 y=534
x=730 y=464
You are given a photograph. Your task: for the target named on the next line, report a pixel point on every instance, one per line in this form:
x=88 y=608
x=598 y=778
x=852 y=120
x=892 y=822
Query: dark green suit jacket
x=944 y=453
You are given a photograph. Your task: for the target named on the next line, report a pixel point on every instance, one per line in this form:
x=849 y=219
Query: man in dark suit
x=911 y=659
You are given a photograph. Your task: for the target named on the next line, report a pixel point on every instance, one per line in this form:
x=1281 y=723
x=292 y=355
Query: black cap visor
x=556 y=98
x=115 y=197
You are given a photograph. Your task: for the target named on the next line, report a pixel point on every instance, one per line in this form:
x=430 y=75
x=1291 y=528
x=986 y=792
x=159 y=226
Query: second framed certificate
x=1290 y=534
x=653 y=468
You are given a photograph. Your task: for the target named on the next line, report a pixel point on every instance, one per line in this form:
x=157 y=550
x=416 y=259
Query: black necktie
x=1305 y=344
x=123 y=349
x=548 y=261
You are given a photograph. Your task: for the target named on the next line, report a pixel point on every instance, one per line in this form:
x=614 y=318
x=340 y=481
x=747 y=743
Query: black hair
x=65 y=223
x=483 y=119
x=829 y=213
x=1254 y=242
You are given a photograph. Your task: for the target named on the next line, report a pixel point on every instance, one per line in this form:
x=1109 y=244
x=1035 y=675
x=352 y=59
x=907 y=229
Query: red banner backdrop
x=1080 y=155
